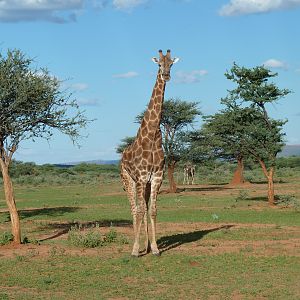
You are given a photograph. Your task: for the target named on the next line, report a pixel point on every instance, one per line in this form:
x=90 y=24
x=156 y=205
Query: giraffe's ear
x=175 y=60
x=155 y=60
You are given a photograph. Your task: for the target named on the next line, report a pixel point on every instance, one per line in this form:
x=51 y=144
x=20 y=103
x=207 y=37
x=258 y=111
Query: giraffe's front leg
x=155 y=185
x=147 y=242
x=140 y=213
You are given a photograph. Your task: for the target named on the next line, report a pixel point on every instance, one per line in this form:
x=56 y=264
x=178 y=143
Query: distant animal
x=189 y=173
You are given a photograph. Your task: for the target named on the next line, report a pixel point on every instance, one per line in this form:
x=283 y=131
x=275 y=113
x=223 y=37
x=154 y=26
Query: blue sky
x=104 y=49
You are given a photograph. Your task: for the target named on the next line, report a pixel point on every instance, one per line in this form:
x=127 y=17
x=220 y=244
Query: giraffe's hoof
x=156 y=253
x=135 y=254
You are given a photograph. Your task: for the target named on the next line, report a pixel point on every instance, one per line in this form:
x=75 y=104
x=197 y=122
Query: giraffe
x=142 y=162
x=188 y=173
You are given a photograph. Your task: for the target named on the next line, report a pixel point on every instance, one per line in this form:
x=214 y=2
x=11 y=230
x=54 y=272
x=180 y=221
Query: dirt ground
x=174 y=238
x=192 y=238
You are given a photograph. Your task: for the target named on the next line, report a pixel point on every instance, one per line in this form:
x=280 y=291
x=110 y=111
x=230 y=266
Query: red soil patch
x=176 y=237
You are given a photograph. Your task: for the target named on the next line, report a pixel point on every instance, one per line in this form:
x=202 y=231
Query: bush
x=111 y=236
x=90 y=238
x=243 y=195
x=6 y=238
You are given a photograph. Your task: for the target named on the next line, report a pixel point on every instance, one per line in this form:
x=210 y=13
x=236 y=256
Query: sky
x=102 y=51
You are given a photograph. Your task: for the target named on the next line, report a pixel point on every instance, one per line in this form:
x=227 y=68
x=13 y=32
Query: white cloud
x=32 y=10
x=127 y=4
x=189 y=77
x=88 y=102
x=57 y=11
x=129 y=74
x=79 y=86
x=274 y=63
x=244 y=7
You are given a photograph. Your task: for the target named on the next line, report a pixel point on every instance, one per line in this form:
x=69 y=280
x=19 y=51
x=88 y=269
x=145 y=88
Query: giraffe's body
x=142 y=162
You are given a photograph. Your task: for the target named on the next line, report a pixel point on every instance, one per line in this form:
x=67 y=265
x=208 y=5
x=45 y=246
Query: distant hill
x=94 y=162
x=290 y=150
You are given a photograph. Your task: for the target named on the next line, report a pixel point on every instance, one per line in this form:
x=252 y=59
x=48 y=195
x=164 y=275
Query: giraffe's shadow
x=167 y=243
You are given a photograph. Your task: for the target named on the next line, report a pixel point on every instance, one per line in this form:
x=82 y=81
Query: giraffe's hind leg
x=155 y=186
x=130 y=188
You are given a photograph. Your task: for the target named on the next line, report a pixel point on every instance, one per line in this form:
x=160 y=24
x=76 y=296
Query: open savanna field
x=217 y=242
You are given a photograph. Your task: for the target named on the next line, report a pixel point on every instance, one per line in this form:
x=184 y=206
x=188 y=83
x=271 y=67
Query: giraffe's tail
x=147 y=197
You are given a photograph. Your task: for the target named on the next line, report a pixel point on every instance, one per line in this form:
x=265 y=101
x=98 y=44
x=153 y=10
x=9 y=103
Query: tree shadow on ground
x=63 y=228
x=47 y=211
x=203 y=189
x=276 y=181
x=167 y=243
x=258 y=198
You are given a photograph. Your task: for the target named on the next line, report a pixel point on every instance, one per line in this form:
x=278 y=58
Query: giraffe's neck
x=151 y=121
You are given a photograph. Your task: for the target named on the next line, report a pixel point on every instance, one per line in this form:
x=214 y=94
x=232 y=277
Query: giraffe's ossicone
x=142 y=162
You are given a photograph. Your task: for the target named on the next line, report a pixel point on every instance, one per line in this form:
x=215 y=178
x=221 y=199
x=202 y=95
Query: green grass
x=167 y=277
x=87 y=204
x=189 y=267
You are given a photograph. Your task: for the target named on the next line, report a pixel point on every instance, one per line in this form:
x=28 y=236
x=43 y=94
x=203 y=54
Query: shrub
x=243 y=195
x=111 y=236
x=6 y=238
x=288 y=201
x=90 y=238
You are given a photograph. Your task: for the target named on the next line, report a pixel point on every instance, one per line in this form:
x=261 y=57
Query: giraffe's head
x=165 y=63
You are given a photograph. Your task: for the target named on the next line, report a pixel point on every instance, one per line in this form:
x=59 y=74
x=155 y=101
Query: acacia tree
x=263 y=135
x=31 y=106
x=177 y=117
x=223 y=142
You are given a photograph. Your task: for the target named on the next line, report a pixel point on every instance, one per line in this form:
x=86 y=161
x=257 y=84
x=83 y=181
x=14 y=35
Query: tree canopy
x=244 y=128
x=32 y=105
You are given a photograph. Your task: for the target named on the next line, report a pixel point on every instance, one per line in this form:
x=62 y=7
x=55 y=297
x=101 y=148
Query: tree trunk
x=10 y=201
x=238 y=176
x=270 y=177
x=271 y=196
x=172 y=183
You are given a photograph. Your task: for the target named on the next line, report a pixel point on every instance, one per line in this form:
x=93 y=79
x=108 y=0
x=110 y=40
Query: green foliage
x=32 y=174
x=32 y=104
x=253 y=86
x=289 y=162
x=243 y=195
x=289 y=201
x=125 y=142
x=240 y=131
x=6 y=238
x=111 y=236
x=91 y=237
x=19 y=168
x=261 y=135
